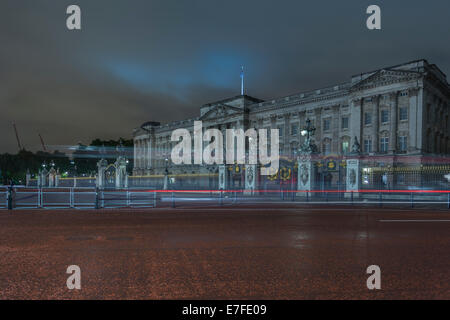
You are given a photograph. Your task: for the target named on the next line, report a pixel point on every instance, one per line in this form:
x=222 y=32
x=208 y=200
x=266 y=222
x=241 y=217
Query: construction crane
x=42 y=142
x=17 y=136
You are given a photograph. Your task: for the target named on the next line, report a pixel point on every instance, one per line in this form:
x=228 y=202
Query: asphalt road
x=273 y=252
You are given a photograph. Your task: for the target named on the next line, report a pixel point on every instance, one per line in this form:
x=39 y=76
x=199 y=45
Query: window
x=402 y=143
x=344 y=124
x=294 y=148
x=345 y=146
x=384 y=144
x=294 y=129
x=326 y=124
x=384 y=116
x=403 y=114
x=280 y=130
x=367 y=118
x=326 y=147
x=368 y=145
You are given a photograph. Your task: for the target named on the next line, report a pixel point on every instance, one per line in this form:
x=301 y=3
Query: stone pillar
x=101 y=167
x=335 y=129
x=357 y=118
x=121 y=171
x=28 y=178
x=413 y=118
x=287 y=133
x=251 y=179
x=149 y=153
x=306 y=175
x=51 y=178
x=43 y=174
x=166 y=182
x=139 y=154
x=376 y=124
x=222 y=177
x=353 y=182
x=57 y=178
x=393 y=121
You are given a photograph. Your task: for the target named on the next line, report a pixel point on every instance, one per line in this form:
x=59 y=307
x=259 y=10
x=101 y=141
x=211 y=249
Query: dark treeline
x=82 y=162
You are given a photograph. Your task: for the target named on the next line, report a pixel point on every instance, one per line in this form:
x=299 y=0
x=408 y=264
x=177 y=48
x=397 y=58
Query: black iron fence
x=19 y=197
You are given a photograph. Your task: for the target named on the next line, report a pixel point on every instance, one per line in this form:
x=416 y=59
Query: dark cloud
x=136 y=61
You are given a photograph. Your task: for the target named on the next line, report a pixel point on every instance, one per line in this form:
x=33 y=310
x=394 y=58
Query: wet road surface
x=274 y=252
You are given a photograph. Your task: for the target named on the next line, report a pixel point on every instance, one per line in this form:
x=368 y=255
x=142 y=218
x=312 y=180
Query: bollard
x=154 y=199
x=351 y=197
x=412 y=200
x=220 y=198
x=307 y=196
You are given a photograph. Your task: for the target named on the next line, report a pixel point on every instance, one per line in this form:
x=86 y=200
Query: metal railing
x=20 y=197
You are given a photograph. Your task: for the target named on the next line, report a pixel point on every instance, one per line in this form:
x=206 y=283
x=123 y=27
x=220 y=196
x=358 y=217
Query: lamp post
x=307 y=132
x=166 y=174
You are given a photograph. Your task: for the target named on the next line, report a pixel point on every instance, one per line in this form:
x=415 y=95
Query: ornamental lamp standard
x=308 y=132
x=167 y=165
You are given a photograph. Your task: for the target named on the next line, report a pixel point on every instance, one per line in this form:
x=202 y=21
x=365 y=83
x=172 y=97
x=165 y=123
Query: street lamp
x=167 y=165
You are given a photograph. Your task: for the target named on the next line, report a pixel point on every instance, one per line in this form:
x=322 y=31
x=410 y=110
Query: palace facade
x=397 y=114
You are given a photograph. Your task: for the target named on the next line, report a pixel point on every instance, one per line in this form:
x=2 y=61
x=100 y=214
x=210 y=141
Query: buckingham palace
x=398 y=116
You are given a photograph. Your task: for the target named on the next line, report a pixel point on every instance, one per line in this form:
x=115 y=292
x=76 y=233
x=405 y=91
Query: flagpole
x=242 y=80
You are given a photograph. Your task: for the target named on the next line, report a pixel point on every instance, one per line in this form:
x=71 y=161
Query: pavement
x=261 y=251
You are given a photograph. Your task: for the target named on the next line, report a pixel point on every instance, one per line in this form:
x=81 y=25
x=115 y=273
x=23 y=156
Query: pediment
x=221 y=111
x=385 y=77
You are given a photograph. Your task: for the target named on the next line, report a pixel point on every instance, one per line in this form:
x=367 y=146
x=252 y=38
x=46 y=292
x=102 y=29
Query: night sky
x=136 y=61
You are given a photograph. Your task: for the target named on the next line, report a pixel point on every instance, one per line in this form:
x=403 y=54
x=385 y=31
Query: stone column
x=287 y=133
x=222 y=177
x=353 y=182
x=135 y=161
x=336 y=129
x=376 y=124
x=121 y=171
x=413 y=119
x=43 y=175
x=149 y=153
x=51 y=178
x=141 y=154
x=57 y=178
x=101 y=167
x=28 y=178
x=166 y=182
x=357 y=118
x=393 y=121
